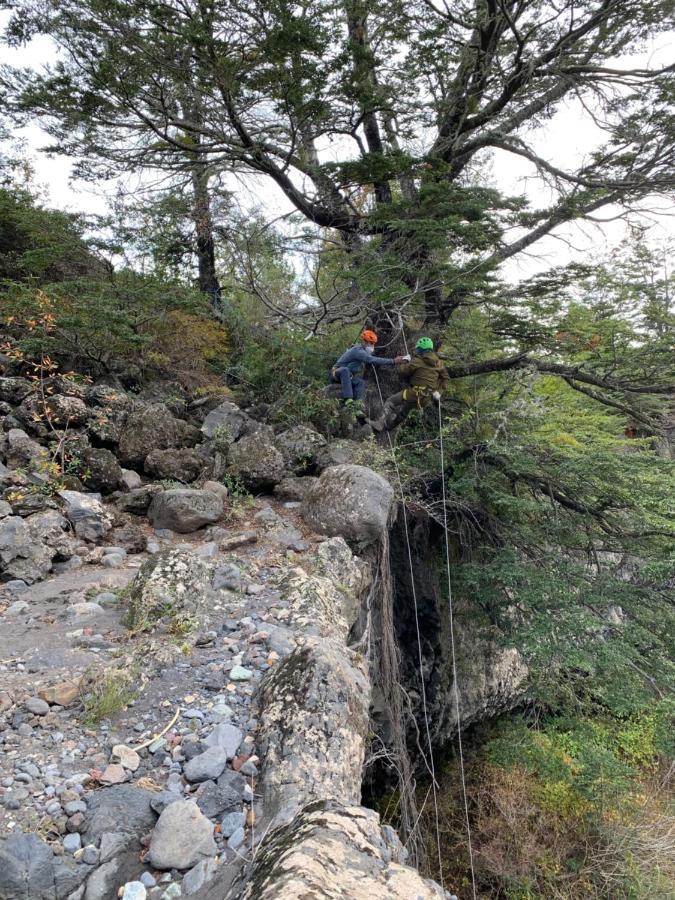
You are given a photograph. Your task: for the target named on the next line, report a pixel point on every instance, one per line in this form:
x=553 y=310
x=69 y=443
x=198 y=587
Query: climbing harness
x=430 y=763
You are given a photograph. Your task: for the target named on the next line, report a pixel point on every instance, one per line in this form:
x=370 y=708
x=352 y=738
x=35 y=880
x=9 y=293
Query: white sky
x=566 y=140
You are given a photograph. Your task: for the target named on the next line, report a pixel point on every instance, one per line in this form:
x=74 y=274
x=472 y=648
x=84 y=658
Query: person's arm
x=380 y=360
x=443 y=380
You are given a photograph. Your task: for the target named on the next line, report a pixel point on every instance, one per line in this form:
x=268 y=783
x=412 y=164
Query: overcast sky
x=567 y=139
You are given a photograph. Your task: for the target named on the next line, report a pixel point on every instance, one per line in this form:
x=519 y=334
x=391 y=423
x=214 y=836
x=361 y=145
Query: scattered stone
x=160 y=801
x=206 y=766
x=299 y=447
x=182 y=837
x=147 y=879
x=231 y=822
x=18 y=608
x=216 y=488
x=127 y=757
x=119 y=809
x=37 y=706
x=138 y=500
x=239 y=540
x=226 y=422
x=90 y=855
x=239 y=673
x=130 y=480
x=134 y=890
x=114 y=774
x=62 y=694
x=101 y=470
x=72 y=842
x=236 y=839
x=197 y=877
x=227 y=737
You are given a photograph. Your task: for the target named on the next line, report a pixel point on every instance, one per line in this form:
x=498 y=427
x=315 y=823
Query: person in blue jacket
x=348 y=370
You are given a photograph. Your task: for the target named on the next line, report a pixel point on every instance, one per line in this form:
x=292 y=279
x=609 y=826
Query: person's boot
x=377 y=424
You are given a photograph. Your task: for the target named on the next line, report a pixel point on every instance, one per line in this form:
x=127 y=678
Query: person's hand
x=406 y=357
x=399 y=359
x=436 y=396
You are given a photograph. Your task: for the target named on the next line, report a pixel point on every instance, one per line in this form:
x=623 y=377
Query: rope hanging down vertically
x=430 y=764
x=454 y=656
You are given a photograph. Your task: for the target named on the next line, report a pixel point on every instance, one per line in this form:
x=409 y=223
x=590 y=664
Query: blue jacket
x=356 y=358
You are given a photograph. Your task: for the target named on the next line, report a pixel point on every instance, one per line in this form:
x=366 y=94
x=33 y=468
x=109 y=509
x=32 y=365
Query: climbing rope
x=452 y=633
x=454 y=657
x=430 y=763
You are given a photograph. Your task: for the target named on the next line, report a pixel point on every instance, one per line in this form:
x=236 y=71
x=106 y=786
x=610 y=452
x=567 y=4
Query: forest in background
x=558 y=425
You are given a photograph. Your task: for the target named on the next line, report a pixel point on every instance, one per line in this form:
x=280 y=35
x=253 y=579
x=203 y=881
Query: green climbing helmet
x=424 y=343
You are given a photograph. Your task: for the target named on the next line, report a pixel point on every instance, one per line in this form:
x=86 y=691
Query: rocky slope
x=181 y=712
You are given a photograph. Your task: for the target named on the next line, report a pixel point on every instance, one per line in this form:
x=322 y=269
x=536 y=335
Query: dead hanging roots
x=386 y=662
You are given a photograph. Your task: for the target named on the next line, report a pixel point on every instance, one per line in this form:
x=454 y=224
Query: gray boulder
x=227 y=737
x=299 y=447
x=14 y=390
x=101 y=471
x=130 y=480
x=182 y=837
x=138 y=499
x=337 y=453
x=30 y=871
x=352 y=502
x=185 y=510
x=121 y=808
x=227 y=422
x=23 y=451
x=178 y=465
x=256 y=461
x=52 y=529
x=150 y=427
x=21 y=555
x=295 y=488
x=86 y=514
x=66 y=411
x=172 y=584
x=206 y=766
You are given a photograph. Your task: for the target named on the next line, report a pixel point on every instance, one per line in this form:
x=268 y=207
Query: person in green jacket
x=427 y=377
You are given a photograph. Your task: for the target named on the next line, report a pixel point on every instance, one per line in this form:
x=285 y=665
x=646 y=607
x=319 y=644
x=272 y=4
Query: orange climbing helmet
x=369 y=336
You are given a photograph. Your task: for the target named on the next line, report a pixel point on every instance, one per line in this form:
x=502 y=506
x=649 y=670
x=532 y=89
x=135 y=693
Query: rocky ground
x=176 y=599
x=56 y=762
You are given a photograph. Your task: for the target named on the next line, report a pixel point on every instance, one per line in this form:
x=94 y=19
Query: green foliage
x=99 y=319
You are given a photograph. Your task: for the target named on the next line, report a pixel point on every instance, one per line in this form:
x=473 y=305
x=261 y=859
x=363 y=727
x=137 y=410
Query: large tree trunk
x=206 y=251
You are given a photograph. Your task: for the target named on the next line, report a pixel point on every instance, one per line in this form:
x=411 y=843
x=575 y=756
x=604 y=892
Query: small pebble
x=72 y=842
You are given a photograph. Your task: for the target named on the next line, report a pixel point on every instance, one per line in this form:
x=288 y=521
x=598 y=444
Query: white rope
x=454 y=657
x=430 y=763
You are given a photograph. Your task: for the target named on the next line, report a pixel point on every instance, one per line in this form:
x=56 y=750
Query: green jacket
x=426 y=371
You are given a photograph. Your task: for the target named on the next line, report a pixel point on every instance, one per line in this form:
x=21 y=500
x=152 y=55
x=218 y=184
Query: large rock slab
x=185 y=509
x=313 y=727
x=85 y=512
x=353 y=502
x=182 y=837
x=256 y=462
x=329 y=850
